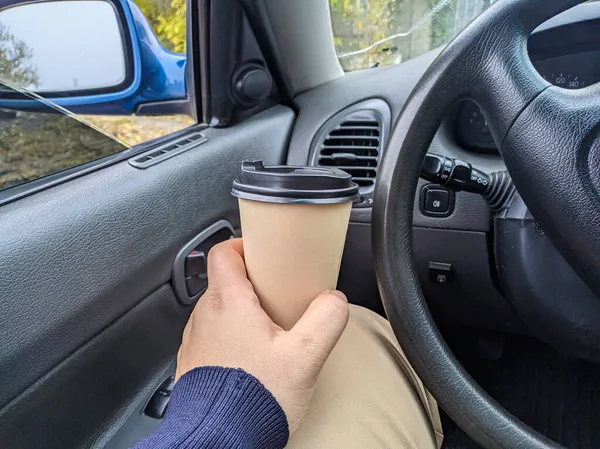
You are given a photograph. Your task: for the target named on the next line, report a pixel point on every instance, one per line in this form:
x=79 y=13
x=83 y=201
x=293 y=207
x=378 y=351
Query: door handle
x=189 y=269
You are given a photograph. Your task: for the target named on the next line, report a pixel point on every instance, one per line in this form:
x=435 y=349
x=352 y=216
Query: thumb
x=320 y=327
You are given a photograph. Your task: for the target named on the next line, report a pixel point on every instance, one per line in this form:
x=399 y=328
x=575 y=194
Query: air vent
x=168 y=150
x=354 y=146
x=353 y=140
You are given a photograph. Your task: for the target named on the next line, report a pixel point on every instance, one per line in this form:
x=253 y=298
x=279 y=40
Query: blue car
x=103 y=59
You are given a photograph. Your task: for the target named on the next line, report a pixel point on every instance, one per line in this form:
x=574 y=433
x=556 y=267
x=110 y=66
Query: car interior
x=477 y=232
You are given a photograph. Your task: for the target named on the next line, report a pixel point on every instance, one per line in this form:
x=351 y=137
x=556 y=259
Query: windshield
x=370 y=33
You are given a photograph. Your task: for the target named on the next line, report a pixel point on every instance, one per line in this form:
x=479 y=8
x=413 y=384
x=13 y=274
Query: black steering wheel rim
x=488 y=62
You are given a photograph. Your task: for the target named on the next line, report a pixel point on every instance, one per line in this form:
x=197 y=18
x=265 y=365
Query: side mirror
x=88 y=56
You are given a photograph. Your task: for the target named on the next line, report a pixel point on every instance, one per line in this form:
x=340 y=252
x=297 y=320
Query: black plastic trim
x=179 y=106
x=259 y=21
x=200 y=72
x=225 y=45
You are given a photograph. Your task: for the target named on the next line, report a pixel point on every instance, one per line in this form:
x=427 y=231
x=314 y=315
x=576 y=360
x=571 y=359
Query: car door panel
x=87 y=397
x=84 y=273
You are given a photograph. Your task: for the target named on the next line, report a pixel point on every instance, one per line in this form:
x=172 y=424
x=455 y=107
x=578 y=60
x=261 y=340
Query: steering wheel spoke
x=553 y=155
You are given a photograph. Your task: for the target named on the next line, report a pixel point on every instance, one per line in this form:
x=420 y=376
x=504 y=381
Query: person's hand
x=229 y=328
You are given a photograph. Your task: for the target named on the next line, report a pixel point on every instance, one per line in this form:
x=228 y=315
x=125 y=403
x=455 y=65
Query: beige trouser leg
x=368 y=396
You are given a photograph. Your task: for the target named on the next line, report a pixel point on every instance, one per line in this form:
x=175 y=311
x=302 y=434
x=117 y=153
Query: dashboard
x=565 y=50
x=568 y=58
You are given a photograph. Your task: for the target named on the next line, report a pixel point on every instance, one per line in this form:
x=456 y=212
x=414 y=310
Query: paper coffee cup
x=294 y=224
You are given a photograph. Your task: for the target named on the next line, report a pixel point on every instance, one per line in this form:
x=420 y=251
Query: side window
x=36 y=144
x=112 y=75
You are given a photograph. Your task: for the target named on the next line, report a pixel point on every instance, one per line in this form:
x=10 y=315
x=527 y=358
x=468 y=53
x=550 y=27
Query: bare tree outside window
x=15 y=59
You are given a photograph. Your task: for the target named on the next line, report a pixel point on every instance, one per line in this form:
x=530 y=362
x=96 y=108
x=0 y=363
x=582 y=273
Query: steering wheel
x=549 y=139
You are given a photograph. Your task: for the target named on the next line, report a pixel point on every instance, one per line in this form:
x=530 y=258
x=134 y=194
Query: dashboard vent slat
x=355 y=157
x=358 y=141
x=354 y=145
x=360 y=124
x=340 y=148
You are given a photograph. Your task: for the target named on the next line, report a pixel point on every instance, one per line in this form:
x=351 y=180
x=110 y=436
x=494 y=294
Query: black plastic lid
x=290 y=184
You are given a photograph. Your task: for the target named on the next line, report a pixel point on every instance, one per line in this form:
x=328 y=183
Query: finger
x=226 y=263
x=321 y=326
x=237 y=245
x=227 y=278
